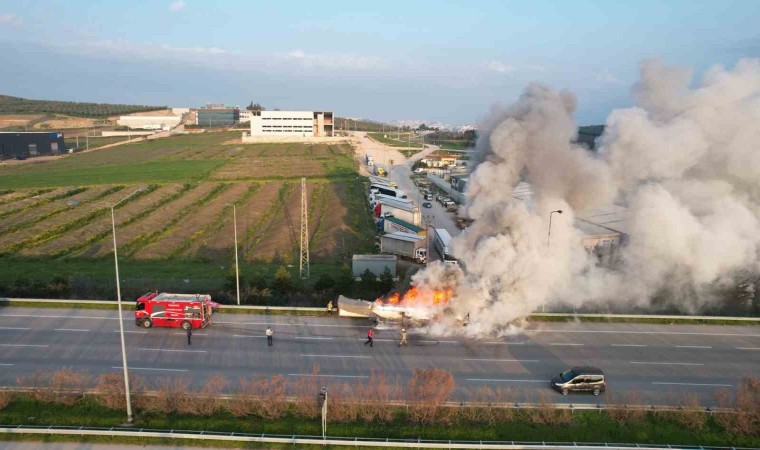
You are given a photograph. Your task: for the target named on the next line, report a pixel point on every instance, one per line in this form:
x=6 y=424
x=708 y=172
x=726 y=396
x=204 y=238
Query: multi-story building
x=146 y=122
x=217 y=117
x=292 y=124
x=245 y=115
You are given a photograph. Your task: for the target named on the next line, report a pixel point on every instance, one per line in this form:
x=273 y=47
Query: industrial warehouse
x=23 y=145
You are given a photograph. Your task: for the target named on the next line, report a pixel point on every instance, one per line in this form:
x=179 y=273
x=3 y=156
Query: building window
x=33 y=149
x=54 y=147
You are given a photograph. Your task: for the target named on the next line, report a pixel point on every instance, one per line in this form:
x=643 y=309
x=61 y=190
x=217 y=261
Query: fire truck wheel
x=147 y=323
x=186 y=325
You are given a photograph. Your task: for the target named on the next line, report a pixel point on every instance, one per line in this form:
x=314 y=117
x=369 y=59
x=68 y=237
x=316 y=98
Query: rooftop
x=401 y=236
x=374 y=257
x=404 y=224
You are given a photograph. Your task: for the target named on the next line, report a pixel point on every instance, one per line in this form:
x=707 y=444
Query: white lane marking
x=70 y=329
x=194 y=334
x=504 y=343
x=247 y=336
x=170 y=350
x=327 y=376
x=13 y=328
x=667 y=363
x=377 y=340
x=692 y=384
x=748 y=348
x=501 y=360
x=290 y=324
x=6 y=364
x=336 y=356
x=314 y=338
x=693 y=346
x=683 y=333
x=628 y=345
x=566 y=344
x=496 y=380
x=151 y=368
x=23 y=345
x=62 y=317
x=137 y=332
x=435 y=341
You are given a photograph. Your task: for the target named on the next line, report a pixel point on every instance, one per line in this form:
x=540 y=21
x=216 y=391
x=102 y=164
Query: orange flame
x=419 y=297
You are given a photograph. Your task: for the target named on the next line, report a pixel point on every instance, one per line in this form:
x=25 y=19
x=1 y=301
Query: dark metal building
x=25 y=144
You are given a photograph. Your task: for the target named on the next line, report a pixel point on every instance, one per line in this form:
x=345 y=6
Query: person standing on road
x=189 y=335
x=269 y=336
x=403 y=338
x=370 y=337
x=330 y=307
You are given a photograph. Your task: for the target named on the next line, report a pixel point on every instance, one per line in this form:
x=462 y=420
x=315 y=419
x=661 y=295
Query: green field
x=451 y=144
x=403 y=142
x=178 y=233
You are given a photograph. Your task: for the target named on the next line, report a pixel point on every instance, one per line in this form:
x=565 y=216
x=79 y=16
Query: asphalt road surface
x=655 y=360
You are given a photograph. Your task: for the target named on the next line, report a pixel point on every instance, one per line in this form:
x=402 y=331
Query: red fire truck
x=173 y=310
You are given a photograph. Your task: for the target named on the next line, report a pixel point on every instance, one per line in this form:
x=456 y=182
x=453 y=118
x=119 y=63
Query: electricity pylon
x=303 y=267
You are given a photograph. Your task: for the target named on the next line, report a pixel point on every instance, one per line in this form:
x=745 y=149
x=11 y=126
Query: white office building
x=301 y=124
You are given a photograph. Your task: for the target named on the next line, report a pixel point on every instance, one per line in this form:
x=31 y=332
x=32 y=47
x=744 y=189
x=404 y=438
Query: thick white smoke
x=685 y=162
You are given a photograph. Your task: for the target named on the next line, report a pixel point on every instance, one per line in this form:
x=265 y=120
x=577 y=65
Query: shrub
x=6 y=398
x=209 y=400
x=428 y=390
x=262 y=397
x=110 y=388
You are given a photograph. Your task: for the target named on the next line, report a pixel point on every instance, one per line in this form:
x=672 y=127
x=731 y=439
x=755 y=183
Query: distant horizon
x=425 y=60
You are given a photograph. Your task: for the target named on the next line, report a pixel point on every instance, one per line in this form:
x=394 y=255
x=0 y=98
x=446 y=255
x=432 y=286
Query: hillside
x=17 y=105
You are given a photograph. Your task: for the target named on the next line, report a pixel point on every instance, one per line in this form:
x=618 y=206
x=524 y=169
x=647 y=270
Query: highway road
x=655 y=360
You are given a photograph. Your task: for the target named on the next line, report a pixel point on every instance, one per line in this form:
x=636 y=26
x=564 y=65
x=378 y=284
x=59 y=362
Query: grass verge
x=579 y=426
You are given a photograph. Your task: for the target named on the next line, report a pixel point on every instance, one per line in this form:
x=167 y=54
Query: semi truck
x=369 y=160
x=443 y=245
x=386 y=190
x=382 y=181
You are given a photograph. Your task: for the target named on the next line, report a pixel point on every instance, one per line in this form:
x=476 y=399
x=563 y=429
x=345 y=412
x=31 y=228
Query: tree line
x=17 y=105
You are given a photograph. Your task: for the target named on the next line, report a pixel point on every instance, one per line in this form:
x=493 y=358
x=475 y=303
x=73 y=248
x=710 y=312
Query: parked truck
x=412 y=246
x=443 y=245
x=369 y=160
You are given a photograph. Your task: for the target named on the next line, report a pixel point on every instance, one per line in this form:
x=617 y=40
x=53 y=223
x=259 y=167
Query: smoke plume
x=684 y=162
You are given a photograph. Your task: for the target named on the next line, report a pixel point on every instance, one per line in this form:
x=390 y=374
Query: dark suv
x=581 y=379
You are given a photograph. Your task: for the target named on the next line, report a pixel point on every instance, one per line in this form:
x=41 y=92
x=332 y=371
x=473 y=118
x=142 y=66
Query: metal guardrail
x=131 y=303
x=313 y=309
x=331 y=440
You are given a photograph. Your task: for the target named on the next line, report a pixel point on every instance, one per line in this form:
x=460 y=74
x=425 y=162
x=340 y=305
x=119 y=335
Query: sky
x=446 y=61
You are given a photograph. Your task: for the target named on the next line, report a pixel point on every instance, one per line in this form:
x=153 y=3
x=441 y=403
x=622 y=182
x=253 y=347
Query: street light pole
x=237 y=267
x=548 y=238
x=130 y=417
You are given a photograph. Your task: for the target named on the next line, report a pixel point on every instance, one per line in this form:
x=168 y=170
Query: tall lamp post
x=237 y=266
x=130 y=417
x=548 y=238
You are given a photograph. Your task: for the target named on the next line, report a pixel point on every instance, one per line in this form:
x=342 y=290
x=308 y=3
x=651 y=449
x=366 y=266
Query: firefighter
x=330 y=307
x=403 y=338
x=189 y=335
x=370 y=337
x=269 y=336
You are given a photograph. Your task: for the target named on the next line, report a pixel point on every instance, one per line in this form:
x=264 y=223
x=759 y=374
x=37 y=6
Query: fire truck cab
x=173 y=310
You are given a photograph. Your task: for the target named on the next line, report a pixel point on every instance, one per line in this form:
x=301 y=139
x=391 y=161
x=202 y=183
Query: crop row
x=53 y=232
x=97 y=237
x=40 y=202
x=143 y=241
x=256 y=232
x=50 y=214
x=210 y=231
